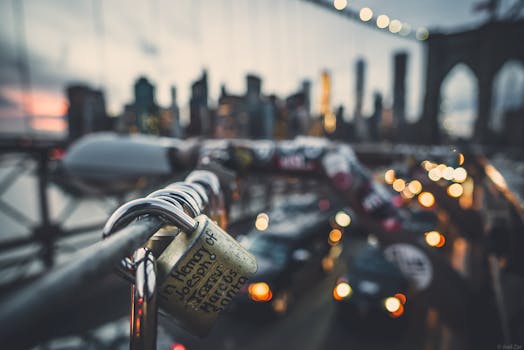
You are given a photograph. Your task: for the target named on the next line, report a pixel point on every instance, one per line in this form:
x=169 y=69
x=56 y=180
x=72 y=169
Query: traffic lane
x=305 y=327
x=313 y=323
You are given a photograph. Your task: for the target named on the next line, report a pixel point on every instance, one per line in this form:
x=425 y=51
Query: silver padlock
x=200 y=272
x=182 y=200
x=211 y=183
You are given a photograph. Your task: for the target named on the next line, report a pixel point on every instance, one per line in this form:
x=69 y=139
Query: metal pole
x=45 y=232
x=143 y=320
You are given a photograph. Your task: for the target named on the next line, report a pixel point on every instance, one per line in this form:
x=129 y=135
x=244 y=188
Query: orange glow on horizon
x=48 y=124
x=43 y=103
x=46 y=108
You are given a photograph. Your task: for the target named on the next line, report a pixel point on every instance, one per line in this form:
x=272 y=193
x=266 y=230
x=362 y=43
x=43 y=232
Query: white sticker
x=412 y=262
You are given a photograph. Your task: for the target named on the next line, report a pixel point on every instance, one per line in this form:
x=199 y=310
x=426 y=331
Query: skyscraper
x=260 y=117
x=146 y=109
x=86 y=112
x=360 y=123
x=399 y=93
x=199 y=123
x=176 y=128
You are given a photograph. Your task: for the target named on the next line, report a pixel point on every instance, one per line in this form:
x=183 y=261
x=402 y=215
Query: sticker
x=412 y=262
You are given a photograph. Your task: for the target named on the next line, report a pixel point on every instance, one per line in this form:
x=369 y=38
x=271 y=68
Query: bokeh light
x=260 y=291
x=406 y=193
x=442 y=241
x=461 y=159
x=382 y=21
x=435 y=239
x=178 y=346
x=415 y=187
x=392 y=304
x=401 y=297
x=395 y=26
x=365 y=14
x=397 y=313
x=460 y=174
x=340 y=4
x=426 y=199
x=342 y=291
x=335 y=235
x=428 y=165
x=262 y=222
x=435 y=174
x=389 y=176
x=422 y=34
x=405 y=30
x=399 y=185
x=432 y=238
x=455 y=190
x=447 y=173
x=342 y=219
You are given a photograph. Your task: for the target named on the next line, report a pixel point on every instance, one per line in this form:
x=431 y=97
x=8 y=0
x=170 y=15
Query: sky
x=109 y=44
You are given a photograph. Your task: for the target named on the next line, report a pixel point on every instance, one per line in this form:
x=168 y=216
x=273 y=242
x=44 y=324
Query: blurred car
x=420 y=221
x=372 y=288
x=294 y=249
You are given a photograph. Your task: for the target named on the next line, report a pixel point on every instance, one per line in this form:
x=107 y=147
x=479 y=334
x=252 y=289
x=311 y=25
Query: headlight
x=435 y=239
x=342 y=291
x=392 y=304
x=342 y=219
x=260 y=291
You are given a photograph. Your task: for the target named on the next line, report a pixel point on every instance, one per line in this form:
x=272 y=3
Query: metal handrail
x=62 y=282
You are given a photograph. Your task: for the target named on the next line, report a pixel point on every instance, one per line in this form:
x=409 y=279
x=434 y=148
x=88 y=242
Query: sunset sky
x=108 y=44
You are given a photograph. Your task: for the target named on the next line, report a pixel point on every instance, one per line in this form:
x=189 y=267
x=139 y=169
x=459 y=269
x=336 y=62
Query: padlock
x=211 y=183
x=200 y=272
x=196 y=191
x=187 y=201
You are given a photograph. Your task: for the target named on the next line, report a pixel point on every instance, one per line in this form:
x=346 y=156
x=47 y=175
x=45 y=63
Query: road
x=312 y=324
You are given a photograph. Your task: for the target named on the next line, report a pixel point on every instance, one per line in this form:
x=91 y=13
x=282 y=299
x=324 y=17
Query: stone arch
x=484 y=50
x=458 y=103
x=508 y=93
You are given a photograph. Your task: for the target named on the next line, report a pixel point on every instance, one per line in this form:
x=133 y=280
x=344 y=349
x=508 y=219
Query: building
x=200 y=121
x=146 y=110
x=259 y=110
x=86 y=112
x=175 y=129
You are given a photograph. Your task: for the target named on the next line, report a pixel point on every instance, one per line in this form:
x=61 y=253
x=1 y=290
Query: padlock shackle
x=198 y=194
x=182 y=196
x=153 y=206
x=205 y=178
x=171 y=200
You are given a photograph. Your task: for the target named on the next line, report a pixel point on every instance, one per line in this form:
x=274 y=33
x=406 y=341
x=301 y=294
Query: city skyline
x=230 y=38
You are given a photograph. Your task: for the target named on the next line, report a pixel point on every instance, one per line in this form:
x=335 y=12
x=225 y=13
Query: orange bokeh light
x=397 y=313
x=260 y=291
x=334 y=236
x=426 y=199
x=401 y=297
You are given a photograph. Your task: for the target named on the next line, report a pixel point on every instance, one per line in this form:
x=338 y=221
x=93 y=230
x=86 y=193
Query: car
x=372 y=288
x=297 y=249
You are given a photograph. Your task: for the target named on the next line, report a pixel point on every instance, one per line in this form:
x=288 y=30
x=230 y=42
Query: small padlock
x=200 y=272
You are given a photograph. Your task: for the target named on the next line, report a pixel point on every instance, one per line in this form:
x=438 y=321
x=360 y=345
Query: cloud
x=43 y=74
x=6 y=102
